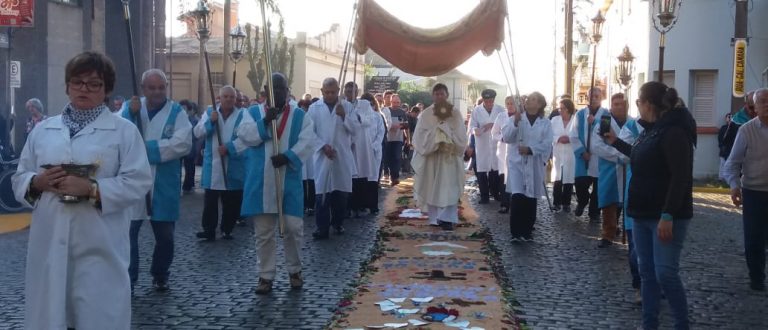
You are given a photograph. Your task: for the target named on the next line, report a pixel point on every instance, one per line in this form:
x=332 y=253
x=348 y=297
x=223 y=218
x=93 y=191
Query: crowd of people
x=94 y=174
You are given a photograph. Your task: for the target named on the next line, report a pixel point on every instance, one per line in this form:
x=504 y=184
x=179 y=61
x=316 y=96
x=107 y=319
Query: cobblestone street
x=562 y=280
x=212 y=282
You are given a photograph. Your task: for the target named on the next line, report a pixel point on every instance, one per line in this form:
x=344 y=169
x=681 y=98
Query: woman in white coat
x=501 y=151
x=529 y=135
x=564 y=167
x=78 y=253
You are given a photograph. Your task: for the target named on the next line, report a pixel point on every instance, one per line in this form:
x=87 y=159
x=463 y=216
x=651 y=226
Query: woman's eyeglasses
x=91 y=86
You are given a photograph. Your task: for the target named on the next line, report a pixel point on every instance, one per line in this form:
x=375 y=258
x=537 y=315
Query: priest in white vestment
x=439 y=142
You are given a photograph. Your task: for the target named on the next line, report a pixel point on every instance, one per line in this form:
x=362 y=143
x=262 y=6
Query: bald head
x=330 y=90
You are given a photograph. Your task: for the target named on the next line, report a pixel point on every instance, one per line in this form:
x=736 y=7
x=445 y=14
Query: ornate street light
x=597 y=35
x=625 y=68
x=237 y=36
x=666 y=16
x=202 y=16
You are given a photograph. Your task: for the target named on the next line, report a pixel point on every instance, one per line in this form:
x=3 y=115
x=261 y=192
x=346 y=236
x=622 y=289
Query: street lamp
x=202 y=16
x=625 y=68
x=666 y=15
x=597 y=35
x=237 y=35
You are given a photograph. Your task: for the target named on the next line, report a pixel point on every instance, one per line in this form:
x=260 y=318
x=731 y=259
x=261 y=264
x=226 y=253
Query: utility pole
x=569 y=48
x=739 y=36
x=226 y=71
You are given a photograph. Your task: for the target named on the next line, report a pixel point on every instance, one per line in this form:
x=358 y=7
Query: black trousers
x=230 y=204
x=522 y=215
x=583 y=195
x=505 y=196
x=488 y=182
x=562 y=193
x=357 y=200
x=372 y=196
x=330 y=210
x=309 y=194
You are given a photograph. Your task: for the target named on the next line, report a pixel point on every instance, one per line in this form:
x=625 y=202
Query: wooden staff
x=271 y=103
x=135 y=86
x=213 y=106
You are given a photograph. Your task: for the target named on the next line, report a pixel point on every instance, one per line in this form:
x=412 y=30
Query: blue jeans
x=755 y=217
x=659 y=264
x=393 y=154
x=330 y=210
x=632 y=257
x=162 y=257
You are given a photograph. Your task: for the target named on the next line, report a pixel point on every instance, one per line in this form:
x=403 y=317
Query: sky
x=532 y=23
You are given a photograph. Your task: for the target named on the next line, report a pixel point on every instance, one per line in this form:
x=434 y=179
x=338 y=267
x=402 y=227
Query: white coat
x=376 y=137
x=333 y=174
x=525 y=174
x=77 y=258
x=564 y=166
x=213 y=176
x=612 y=165
x=485 y=147
x=169 y=149
x=580 y=130
x=501 y=147
x=361 y=142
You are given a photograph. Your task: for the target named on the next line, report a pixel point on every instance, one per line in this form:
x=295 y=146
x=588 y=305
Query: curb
x=723 y=191
x=14 y=222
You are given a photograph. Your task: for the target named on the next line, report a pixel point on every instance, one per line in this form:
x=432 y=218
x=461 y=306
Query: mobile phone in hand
x=605 y=124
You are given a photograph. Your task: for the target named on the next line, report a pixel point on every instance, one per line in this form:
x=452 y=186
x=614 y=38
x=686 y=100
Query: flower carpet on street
x=422 y=277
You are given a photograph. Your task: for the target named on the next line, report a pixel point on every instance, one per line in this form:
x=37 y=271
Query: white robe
x=609 y=154
x=376 y=138
x=333 y=174
x=296 y=143
x=563 y=167
x=485 y=147
x=174 y=148
x=501 y=147
x=525 y=174
x=227 y=129
x=439 y=171
x=361 y=142
x=581 y=128
x=77 y=258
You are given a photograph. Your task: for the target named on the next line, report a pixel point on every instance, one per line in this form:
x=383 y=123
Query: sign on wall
x=379 y=84
x=739 y=61
x=17 y=13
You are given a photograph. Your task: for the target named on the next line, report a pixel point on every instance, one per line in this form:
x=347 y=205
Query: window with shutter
x=702 y=104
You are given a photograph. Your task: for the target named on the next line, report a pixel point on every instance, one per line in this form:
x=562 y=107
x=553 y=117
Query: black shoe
x=160 y=285
x=133 y=286
x=483 y=201
x=556 y=208
x=527 y=238
x=567 y=209
x=757 y=285
x=208 y=236
x=240 y=222
x=227 y=236
x=447 y=226
x=594 y=218
x=318 y=235
x=375 y=211
x=310 y=212
x=504 y=210
x=339 y=230
x=604 y=243
x=579 y=210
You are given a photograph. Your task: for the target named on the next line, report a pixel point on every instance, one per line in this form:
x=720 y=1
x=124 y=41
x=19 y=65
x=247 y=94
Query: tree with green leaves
x=283 y=55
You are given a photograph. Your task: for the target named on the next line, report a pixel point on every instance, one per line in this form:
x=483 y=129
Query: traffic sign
x=15 y=74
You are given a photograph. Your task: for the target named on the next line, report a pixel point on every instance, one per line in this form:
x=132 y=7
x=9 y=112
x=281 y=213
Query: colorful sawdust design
x=421 y=277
